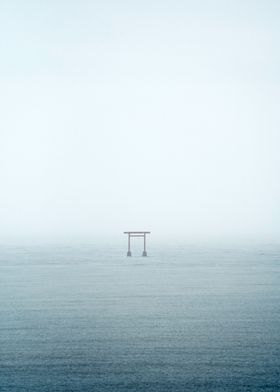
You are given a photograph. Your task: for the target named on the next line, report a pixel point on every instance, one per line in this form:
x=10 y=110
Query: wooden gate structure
x=137 y=234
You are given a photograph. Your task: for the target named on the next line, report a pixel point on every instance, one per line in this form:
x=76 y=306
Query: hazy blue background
x=160 y=115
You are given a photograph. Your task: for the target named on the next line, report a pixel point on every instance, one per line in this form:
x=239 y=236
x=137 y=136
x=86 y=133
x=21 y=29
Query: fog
x=151 y=115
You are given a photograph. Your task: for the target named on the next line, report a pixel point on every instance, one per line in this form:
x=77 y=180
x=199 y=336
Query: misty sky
x=151 y=115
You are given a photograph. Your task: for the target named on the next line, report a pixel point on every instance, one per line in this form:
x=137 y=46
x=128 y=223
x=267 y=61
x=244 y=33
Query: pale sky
x=140 y=115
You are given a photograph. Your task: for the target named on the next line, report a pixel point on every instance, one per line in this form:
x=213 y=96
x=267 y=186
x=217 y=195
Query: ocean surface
x=87 y=318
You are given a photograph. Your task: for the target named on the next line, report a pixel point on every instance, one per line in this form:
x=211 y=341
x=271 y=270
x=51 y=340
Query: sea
x=86 y=318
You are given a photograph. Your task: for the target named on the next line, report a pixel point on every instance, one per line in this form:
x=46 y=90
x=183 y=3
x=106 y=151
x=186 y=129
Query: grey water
x=87 y=318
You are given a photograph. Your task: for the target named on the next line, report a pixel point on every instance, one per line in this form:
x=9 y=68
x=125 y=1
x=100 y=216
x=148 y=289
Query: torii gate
x=137 y=234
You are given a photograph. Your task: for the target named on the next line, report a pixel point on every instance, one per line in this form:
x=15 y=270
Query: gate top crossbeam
x=137 y=232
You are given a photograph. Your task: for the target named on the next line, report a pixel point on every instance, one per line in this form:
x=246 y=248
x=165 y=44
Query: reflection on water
x=84 y=318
